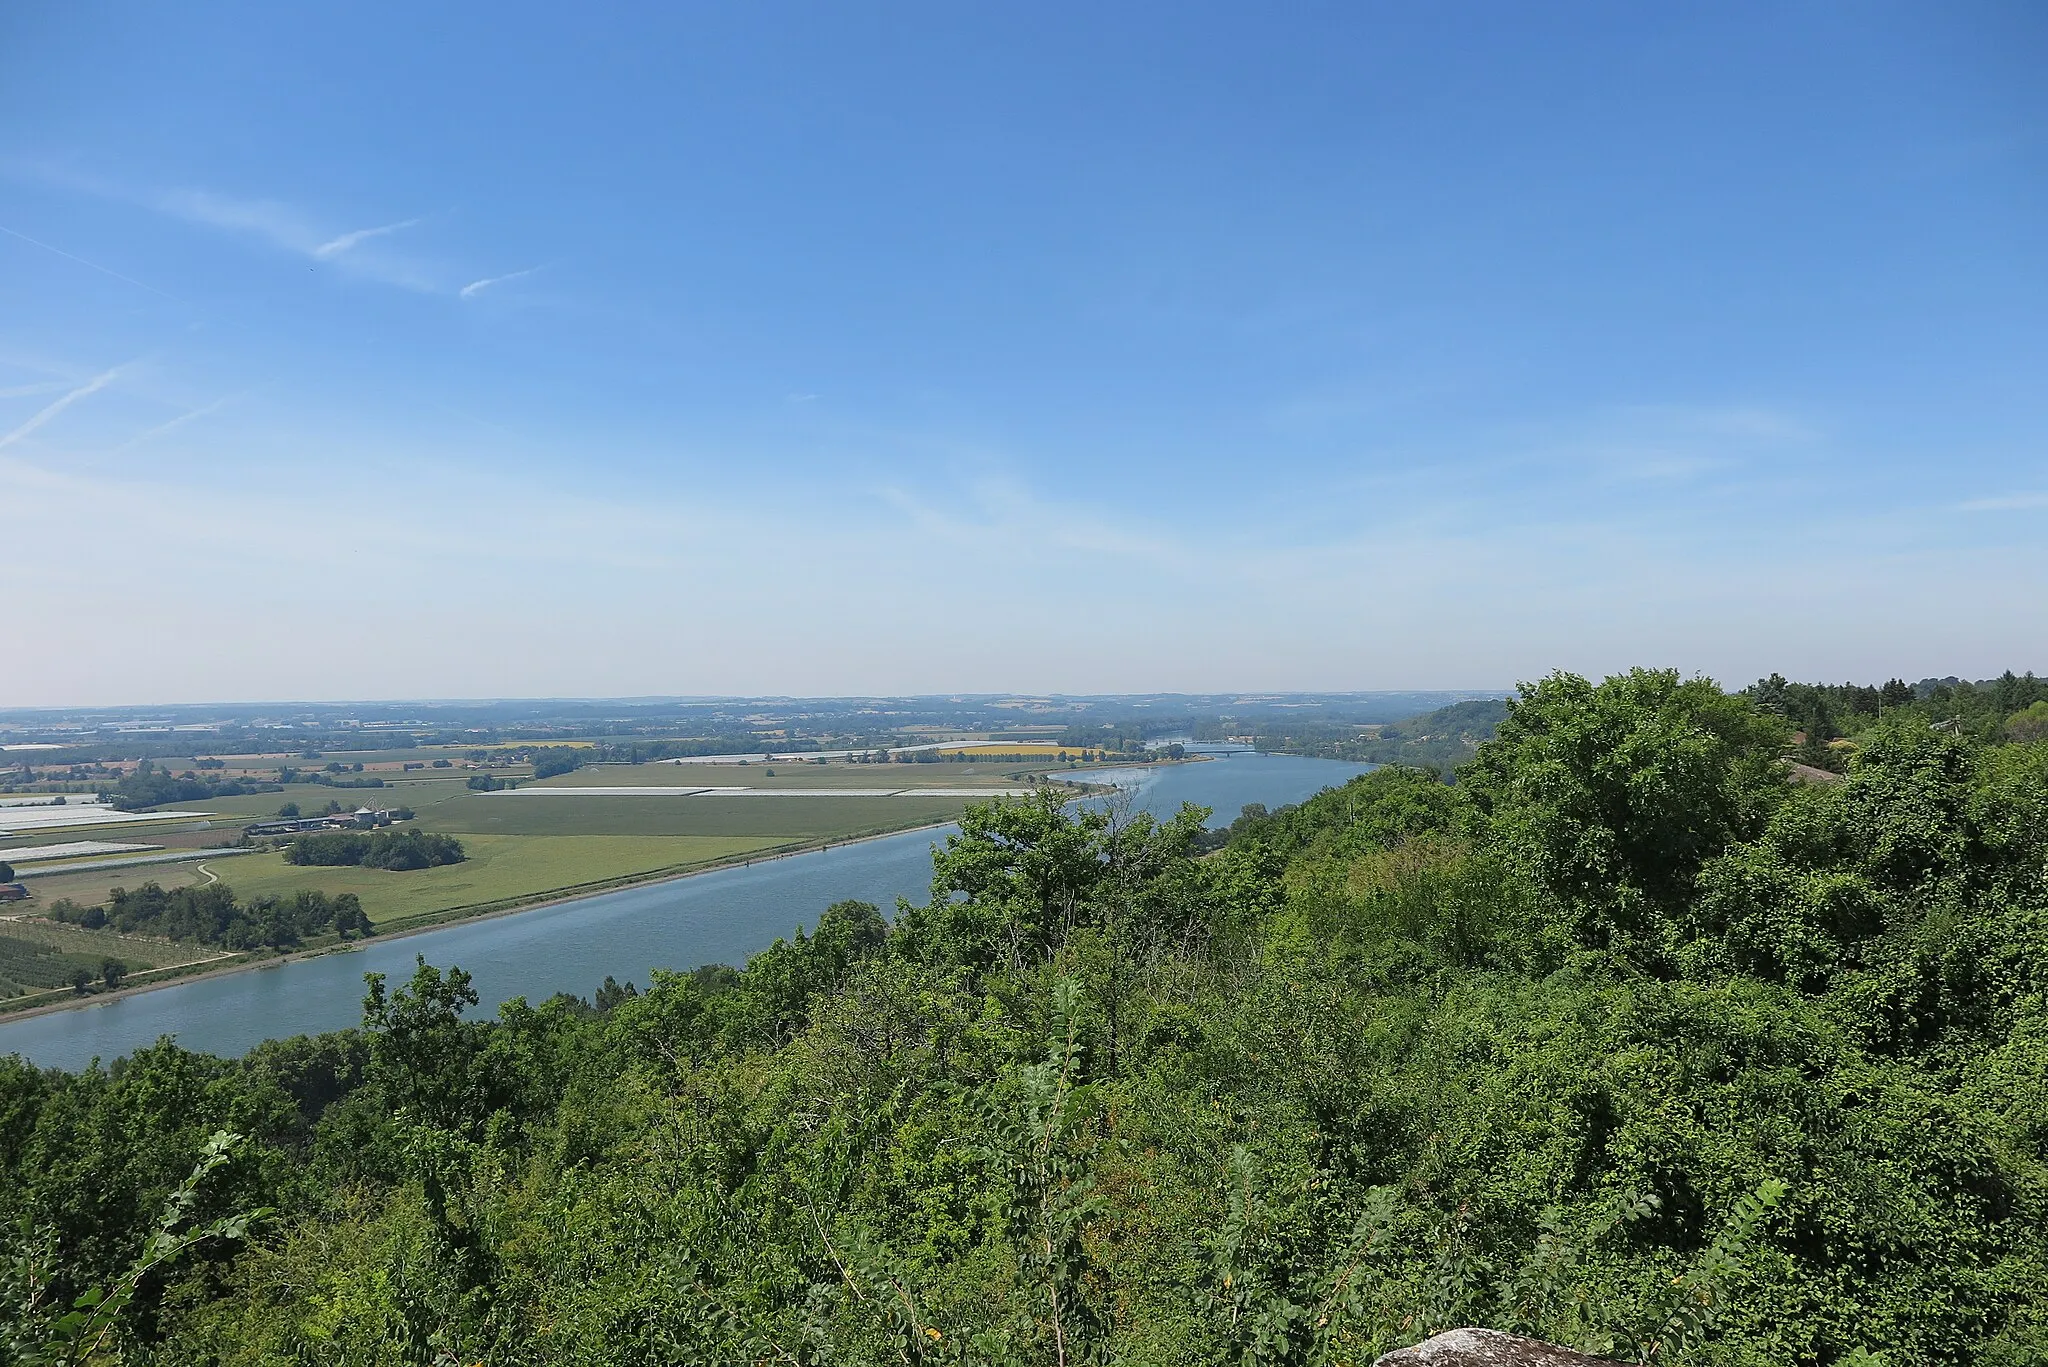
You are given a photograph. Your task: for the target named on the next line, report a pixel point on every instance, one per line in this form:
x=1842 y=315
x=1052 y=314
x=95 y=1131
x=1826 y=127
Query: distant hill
x=1442 y=739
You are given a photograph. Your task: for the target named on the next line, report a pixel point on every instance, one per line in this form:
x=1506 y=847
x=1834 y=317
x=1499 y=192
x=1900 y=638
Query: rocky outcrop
x=1487 y=1348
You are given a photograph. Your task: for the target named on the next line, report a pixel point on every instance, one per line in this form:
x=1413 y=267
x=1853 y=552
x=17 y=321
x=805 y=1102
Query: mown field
x=499 y=868
x=89 y=888
x=414 y=792
x=787 y=776
x=775 y=819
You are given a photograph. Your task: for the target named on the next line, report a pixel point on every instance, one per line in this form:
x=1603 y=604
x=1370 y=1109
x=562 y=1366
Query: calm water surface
x=718 y=917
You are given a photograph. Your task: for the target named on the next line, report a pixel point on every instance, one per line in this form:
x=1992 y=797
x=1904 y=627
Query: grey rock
x=1487 y=1348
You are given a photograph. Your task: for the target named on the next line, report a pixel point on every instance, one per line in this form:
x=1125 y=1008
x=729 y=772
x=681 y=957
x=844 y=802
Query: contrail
x=474 y=287
x=126 y=279
x=348 y=240
x=92 y=386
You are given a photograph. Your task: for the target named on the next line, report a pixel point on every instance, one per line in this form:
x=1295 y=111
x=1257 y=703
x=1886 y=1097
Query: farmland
x=793 y=774
x=654 y=793
x=36 y=956
x=554 y=837
x=781 y=819
x=500 y=870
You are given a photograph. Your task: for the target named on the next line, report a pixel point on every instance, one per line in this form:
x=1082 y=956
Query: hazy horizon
x=707 y=699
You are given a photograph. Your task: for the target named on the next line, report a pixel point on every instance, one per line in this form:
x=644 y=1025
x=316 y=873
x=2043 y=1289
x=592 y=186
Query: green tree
x=1612 y=796
x=425 y=1058
x=2029 y=726
x=39 y=1331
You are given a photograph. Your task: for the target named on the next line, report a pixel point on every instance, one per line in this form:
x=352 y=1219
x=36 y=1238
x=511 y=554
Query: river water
x=717 y=917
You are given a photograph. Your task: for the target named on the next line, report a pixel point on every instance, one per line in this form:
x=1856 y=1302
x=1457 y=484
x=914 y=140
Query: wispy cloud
x=336 y=246
x=276 y=223
x=52 y=409
x=1000 y=512
x=476 y=287
x=287 y=229
x=29 y=391
x=282 y=226
x=2005 y=503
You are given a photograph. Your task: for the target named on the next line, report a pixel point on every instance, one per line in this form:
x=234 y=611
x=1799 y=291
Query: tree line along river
x=718 y=917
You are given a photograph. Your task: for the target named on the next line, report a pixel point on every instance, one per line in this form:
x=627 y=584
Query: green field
x=789 y=776
x=769 y=818
x=415 y=792
x=499 y=869
x=90 y=888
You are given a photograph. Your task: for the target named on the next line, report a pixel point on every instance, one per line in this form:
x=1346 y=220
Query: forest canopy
x=1626 y=1041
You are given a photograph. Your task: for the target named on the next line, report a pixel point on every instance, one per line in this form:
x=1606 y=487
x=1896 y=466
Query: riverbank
x=548 y=899
x=675 y=923
x=225 y=965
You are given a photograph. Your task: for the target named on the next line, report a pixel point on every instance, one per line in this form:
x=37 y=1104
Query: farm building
x=361 y=819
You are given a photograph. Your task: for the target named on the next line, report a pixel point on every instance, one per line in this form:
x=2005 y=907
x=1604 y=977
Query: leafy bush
x=154 y=788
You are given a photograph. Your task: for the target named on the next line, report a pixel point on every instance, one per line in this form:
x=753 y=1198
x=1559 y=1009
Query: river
x=717 y=917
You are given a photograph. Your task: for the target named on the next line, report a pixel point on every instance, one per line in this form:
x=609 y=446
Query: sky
x=400 y=351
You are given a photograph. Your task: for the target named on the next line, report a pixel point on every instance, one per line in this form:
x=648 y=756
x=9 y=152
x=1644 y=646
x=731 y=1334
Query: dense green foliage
x=407 y=849
x=1441 y=740
x=148 y=787
x=1625 y=1041
x=2010 y=707
x=550 y=760
x=1992 y=711
x=211 y=915
x=338 y=778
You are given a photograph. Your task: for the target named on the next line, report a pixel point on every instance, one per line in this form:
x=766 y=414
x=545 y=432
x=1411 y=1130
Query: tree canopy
x=212 y=915
x=407 y=849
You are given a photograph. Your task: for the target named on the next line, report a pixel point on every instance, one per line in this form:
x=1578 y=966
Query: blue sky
x=391 y=350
